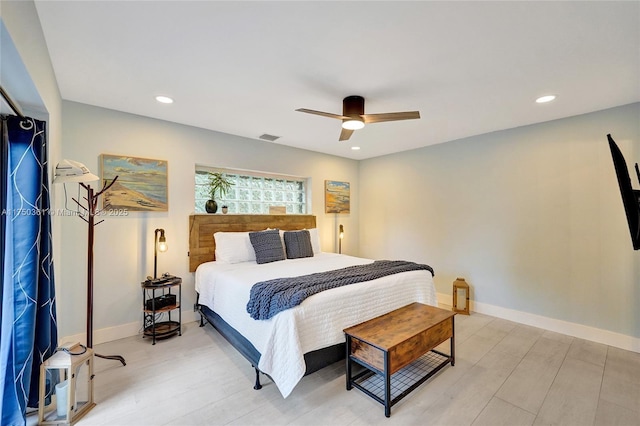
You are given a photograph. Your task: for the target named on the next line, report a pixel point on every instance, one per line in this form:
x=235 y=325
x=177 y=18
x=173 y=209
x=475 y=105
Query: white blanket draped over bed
x=314 y=324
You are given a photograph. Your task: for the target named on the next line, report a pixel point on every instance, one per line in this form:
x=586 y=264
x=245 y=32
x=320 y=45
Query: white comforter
x=316 y=323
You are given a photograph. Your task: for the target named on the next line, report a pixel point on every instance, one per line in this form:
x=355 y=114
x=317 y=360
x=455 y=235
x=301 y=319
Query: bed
x=307 y=337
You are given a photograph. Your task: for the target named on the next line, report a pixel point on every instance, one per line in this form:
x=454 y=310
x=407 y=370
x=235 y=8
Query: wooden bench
x=397 y=351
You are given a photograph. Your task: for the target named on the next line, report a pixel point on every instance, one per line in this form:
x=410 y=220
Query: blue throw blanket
x=267 y=298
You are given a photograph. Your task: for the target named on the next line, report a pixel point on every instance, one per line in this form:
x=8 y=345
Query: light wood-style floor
x=505 y=374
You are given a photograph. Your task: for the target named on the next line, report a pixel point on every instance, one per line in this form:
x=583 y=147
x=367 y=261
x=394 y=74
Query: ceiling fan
x=354 y=118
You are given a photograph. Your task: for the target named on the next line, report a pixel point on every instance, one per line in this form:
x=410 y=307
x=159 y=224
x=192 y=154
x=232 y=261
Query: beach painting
x=141 y=185
x=337 y=197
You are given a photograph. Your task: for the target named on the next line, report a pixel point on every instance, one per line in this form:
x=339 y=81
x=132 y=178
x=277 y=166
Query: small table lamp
x=73 y=396
x=159 y=245
x=340 y=237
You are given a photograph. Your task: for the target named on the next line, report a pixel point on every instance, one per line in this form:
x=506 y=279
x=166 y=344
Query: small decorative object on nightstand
x=461 y=306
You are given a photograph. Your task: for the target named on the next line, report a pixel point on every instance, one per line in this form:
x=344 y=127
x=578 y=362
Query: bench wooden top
x=391 y=329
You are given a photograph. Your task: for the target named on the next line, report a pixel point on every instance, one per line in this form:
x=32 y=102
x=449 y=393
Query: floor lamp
x=72 y=171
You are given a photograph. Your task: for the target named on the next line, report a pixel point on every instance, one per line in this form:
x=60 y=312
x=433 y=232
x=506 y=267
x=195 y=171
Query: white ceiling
x=244 y=67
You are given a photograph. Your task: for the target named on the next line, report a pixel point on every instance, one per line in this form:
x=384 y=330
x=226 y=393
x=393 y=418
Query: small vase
x=211 y=206
x=225 y=209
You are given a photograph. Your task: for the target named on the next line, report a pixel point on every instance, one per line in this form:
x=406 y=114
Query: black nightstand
x=159 y=297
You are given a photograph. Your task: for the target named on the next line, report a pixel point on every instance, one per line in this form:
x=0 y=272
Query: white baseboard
x=110 y=334
x=598 y=335
x=593 y=334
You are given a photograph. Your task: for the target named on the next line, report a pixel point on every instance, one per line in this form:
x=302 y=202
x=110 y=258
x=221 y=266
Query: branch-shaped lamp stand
x=91 y=211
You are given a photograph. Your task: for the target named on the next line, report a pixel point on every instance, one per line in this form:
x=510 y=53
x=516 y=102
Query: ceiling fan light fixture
x=353 y=116
x=353 y=124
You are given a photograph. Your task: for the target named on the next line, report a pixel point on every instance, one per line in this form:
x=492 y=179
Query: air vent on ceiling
x=268 y=137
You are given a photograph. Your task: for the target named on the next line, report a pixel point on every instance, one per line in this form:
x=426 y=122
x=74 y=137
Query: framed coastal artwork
x=337 y=197
x=141 y=185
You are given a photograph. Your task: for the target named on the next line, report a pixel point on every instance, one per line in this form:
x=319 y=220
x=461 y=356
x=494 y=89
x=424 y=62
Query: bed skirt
x=314 y=360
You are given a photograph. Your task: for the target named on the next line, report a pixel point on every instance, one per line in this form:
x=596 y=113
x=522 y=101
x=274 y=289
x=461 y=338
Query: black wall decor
x=630 y=196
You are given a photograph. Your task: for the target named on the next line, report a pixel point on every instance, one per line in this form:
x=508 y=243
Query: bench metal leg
x=348 y=360
x=453 y=342
x=387 y=385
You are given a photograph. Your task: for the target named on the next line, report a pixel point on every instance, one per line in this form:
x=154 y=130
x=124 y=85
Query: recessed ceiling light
x=355 y=148
x=164 y=99
x=544 y=99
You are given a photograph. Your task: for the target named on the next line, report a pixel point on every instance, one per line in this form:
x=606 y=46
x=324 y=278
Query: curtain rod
x=11 y=103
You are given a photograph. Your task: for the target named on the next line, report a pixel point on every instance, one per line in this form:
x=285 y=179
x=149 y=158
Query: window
x=253 y=192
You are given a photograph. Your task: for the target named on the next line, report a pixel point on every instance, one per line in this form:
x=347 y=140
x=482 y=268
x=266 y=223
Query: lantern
x=461 y=296
x=66 y=385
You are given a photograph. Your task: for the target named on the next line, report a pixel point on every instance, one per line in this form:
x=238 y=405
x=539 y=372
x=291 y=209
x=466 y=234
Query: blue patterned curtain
x=28 y=333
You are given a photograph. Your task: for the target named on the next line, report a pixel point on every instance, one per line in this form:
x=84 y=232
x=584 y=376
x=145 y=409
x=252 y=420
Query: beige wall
x=531 y=217
x=124 y=245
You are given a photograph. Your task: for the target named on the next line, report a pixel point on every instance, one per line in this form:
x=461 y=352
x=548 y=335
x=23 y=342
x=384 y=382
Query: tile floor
x=505 y=374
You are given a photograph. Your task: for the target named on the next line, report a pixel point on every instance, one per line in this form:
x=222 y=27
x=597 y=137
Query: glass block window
x=253 y=192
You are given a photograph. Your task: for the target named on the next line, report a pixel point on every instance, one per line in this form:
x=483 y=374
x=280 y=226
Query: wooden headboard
x=202 y=227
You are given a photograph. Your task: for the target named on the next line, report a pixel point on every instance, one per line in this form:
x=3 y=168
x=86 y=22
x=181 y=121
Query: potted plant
x=218 y=185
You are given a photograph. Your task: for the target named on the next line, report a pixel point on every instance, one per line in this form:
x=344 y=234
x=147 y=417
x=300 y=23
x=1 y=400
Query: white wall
x=124 y=245
x=531 y=217
x=20 y=18
x=23 y=25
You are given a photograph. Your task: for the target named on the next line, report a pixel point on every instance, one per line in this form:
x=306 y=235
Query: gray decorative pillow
x=298 y=244
x=267 y=245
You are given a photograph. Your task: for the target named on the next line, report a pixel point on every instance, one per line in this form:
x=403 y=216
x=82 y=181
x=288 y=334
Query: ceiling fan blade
x=390 y=116
x=324 y=114
x=345 y=134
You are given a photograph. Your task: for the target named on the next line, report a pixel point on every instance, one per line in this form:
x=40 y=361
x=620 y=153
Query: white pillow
x=315 y=240
x=234 y=247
